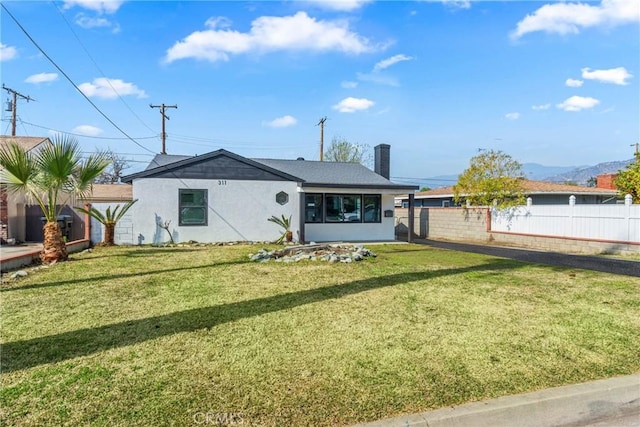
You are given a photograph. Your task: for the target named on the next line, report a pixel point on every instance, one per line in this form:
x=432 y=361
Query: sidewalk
x=613 y=402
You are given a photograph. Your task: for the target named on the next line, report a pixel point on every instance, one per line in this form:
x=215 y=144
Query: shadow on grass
x=120 y=276
x=25 y=354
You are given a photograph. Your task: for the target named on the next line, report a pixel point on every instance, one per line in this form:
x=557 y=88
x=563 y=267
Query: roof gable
x=27 y=143
x=220 y=164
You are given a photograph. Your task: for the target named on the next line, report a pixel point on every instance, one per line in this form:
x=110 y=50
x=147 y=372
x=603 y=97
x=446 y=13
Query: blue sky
x=547 y=82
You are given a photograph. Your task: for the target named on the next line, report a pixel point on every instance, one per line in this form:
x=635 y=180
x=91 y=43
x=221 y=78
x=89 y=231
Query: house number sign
x=222 y=182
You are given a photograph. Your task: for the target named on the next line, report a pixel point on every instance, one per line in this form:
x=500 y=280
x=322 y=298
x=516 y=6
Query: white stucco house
x=221 y=196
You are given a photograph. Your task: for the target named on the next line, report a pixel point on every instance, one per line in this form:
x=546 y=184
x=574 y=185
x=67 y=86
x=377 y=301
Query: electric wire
x=99 y=69
x=70 y=80
x=82 y=135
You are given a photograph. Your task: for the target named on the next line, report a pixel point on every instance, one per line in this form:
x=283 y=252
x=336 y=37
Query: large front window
x=344 y=208
x=372 y=208
x=313 y=208
x=193 y=207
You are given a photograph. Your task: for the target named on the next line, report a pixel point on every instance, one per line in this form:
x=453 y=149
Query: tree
x=425 y=189
x=113 y=172
x=109 y=219
x=342 y=150
x=628 y=180
x=51 y=177
x=592 y=181
x=493 y=178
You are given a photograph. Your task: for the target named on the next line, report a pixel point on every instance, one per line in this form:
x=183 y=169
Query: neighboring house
x=221 y=196
x=540 y=192
x=102 y=197
x=13 y=215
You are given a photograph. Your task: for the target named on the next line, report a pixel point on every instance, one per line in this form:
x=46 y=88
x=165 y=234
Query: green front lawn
x=171 y=336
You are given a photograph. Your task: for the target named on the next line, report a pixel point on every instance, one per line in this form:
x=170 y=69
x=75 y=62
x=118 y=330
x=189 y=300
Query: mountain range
x=538 y=172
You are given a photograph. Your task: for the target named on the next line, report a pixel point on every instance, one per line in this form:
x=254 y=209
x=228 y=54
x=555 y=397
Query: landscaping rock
x=314 y=252
x=19 y=273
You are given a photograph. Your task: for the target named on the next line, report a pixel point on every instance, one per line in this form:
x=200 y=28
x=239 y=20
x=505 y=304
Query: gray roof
x=165 y=159
x=310 y=173
x=341 y=174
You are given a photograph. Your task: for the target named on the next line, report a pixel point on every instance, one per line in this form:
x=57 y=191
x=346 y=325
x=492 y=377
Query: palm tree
x=109 y=219
x=50 y=177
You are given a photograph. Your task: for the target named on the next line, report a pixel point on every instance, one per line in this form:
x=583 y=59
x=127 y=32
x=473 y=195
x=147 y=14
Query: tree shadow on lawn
x=119 y=276
x=24 y=354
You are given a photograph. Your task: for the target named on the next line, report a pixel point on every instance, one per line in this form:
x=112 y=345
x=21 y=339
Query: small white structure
x=221 y=197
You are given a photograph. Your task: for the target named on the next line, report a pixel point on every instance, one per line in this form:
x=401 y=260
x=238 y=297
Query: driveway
x=586 y=262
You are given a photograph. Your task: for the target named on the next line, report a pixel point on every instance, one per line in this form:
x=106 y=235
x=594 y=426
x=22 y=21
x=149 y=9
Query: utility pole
x=14 y=106
x=637 y=145
x=321 y=124
x=162 y=107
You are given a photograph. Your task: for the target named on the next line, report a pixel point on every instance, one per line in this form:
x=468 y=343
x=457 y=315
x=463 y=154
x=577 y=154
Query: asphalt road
x=586 y=262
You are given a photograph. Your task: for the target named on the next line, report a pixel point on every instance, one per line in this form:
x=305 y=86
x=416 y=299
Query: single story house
x=540 y=192
x=13 y=215
x=221 y=196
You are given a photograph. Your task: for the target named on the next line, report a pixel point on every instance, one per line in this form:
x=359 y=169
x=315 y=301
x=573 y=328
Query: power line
x=162 y=107
x=99 y=69
x=79 y=134
x=69 y=79
x=14 y=106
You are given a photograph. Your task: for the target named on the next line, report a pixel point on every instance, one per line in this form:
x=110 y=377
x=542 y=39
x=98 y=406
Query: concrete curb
x=572 y=405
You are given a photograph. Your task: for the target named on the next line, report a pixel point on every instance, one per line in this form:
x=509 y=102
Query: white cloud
x=87 y=130
x=578 y=103
x=298 y=32
x=282 y=122
x=351 y=105
x=617 y=76
x=110 y=88
x=377 y=78
x=341 y=5
x=512 y=116
x=570 y=18
x=386 y=63
x=41 y=78
x=349 y=84
x=88 y=22
x=540 y=107
x=573 y=82
x=7 y=52
x=458 y=4
x=100 y=6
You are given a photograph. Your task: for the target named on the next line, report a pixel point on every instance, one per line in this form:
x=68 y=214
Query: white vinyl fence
x=619 y=223
x=123 y=234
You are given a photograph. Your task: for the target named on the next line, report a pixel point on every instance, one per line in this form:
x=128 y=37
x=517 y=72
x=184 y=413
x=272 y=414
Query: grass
x=184 y=336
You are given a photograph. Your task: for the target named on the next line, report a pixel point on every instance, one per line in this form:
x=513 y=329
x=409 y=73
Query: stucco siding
x=237 y=210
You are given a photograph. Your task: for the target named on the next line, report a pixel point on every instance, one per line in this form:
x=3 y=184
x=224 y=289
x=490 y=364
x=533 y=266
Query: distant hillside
x=538 y=172
x=581 y=175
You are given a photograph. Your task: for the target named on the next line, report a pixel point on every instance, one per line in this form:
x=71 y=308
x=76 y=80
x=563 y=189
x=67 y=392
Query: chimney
x=382 y=160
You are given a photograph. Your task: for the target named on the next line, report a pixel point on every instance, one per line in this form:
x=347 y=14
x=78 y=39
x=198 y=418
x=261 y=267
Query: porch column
x=87 y=223
x=411 y=217
x=301 y=208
